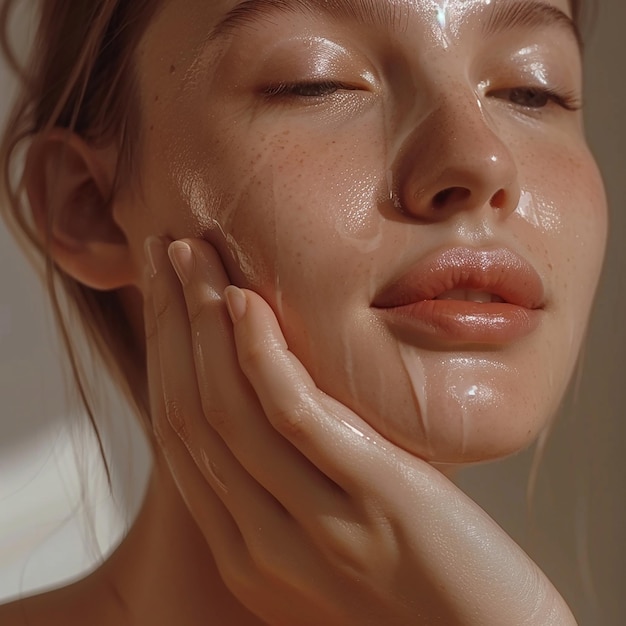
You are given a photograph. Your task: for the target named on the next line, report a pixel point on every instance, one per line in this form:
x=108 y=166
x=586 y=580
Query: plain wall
x=575 y=531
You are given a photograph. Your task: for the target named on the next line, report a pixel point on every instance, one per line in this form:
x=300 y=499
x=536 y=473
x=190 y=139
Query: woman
x=362 y=225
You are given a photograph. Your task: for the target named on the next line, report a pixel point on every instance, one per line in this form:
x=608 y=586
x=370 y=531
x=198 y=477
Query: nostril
x=450 y=195
x=498 y=200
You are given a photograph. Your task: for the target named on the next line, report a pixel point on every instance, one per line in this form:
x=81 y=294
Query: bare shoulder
x=73 y=605
x=12 y=614
x=34 y=611
x=51 y=608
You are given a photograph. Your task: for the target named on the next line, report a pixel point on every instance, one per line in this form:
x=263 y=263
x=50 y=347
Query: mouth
x=467 y=295
x=484 y=296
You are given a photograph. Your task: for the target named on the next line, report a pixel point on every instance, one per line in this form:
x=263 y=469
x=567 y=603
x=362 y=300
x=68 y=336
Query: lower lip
x=466 y=322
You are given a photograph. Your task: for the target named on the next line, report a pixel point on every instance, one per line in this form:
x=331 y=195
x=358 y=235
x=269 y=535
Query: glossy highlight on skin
x=317 y=202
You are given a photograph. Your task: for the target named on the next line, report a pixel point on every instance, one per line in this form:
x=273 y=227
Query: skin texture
x=296 y=437
x=295 y=195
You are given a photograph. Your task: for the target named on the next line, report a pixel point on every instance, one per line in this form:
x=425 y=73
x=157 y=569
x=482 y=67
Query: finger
x=251 y=537
x=206 y=507
x=199 y=451
x=331 y=436
x=236 y=412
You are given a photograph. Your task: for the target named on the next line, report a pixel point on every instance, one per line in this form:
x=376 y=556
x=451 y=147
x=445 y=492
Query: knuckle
x=352 y=543
x=221 y=422
x=351 y=555
x=162 y=305
x=195 y=309
x=240 y=576
x=269 y=561
x=199 y=307
x=259 y=353
x=292 y=422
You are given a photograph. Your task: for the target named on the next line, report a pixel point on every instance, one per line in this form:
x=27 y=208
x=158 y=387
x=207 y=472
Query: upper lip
x=497 y=271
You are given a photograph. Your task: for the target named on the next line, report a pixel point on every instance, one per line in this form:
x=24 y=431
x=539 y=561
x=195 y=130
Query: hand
x=313 y=518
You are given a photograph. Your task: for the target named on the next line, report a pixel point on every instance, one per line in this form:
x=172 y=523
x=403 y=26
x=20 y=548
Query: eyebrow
x=371 y=12
x=502 y=15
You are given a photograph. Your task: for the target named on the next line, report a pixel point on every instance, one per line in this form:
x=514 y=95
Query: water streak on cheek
x=201 y=200
x=464 y=389
x=349 y=363
x=203 y=206
x=279 y=263
x=415 y=371
x=468 y=397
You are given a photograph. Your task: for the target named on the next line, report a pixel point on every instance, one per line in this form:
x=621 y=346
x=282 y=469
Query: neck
x=163 y=572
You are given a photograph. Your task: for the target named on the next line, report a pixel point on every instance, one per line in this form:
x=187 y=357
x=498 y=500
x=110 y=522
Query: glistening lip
x=503 y=296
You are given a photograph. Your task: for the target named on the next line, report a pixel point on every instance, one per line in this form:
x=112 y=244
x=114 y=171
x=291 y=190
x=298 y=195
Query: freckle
x=151 y=126
x=156 y=98
x=172 y=68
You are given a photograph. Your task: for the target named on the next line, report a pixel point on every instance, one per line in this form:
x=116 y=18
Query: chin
x=455 y=410
x=472 y=445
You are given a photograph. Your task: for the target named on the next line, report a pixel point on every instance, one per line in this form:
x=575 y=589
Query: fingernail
x=236 y=302
x=183 y=260
x=153 y=250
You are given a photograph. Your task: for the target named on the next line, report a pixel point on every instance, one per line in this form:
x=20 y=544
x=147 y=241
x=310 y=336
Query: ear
x=70 y=188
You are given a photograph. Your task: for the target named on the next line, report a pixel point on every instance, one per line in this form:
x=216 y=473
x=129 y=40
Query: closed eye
x=306 y=89
x=538 y=98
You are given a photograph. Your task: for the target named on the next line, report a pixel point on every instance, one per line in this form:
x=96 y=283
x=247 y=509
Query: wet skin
x=325 y=156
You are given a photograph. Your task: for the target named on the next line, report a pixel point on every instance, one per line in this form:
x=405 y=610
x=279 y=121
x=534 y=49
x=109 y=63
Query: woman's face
x=406 y=182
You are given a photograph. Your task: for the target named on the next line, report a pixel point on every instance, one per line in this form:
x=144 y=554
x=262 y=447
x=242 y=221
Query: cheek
x=463 y=407
x=567 y=210
x=303 y=220
x=301 y=208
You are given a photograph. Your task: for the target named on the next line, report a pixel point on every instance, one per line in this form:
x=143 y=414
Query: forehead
x=182 y=29
x=221 y=7
x=207 y=17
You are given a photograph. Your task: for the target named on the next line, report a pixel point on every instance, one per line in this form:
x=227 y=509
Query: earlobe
x=70 y=188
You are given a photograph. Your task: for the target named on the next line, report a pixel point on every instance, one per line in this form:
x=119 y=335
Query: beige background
x=575 y=529
x=580 y=506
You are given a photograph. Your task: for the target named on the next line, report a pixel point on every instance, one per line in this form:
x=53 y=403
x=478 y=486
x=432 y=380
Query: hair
x=80 y=77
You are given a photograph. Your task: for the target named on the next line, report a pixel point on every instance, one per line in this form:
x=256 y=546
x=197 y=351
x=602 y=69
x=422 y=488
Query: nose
x=454 y=161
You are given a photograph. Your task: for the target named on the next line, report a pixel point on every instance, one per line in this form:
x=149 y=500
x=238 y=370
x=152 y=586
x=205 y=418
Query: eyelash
x=566 y=100
x=316 y=90
x=306 y=89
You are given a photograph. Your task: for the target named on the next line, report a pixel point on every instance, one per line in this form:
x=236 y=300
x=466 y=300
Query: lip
x=411 y=303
